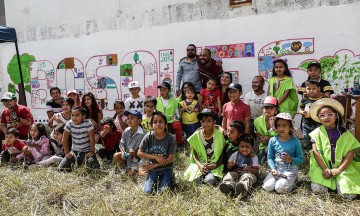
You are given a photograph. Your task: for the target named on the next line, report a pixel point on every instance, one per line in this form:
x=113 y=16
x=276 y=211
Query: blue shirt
x=292 y=147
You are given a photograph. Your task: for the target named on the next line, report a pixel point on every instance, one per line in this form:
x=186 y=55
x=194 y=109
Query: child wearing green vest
x=169 y=106
x=283 y=88
x=263 y=126
x=189 y=108
x=332 y=161
x=207 y=143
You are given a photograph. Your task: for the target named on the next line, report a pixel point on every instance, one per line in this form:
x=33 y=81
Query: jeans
x=163 y=179
x=189 y=129
x=306 y=129
x=79 y=158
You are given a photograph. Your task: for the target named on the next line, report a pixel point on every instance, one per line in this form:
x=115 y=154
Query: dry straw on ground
x=45 y=191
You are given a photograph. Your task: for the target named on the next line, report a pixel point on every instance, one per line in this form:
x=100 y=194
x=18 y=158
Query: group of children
x=139 y=137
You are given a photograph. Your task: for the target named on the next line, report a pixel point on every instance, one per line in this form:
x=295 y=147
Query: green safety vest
x=193 y=172
x=260 y=126
x=170 y=110
x=349 y=180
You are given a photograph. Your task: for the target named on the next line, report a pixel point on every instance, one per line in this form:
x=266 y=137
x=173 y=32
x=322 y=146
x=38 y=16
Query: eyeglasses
x=329 y=115
x=191 y=50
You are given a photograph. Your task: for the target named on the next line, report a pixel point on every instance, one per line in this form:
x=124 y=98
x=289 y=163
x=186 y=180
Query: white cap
x=134 y=84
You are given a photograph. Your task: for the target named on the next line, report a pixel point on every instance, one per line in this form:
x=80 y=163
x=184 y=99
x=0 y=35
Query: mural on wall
x=166 y=67
x=239 y=50
x=14 y=73
x=281 y=48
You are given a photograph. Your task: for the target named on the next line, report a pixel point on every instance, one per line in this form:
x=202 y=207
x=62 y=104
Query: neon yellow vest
x=349 y=180
x=260 y=126
x=193 y=172
x=189 y=118
x=170 y=110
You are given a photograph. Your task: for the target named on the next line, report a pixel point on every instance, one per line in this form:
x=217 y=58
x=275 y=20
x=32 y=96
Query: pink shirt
x=235 y=112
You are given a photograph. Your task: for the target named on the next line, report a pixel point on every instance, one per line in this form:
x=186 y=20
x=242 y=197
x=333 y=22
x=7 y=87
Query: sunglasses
x=190 y=50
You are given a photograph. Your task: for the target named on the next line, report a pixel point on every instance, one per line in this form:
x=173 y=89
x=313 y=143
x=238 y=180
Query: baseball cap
x=134 y=84
x=270 y=102
x=235 y=86
x=133 y=112
x=165 y=85
x=8 y=96
x=205 y=113
x=72 y=91
x=314 y=63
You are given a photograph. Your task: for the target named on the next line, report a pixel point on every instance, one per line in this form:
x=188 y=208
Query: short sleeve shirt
x=51 y=105
x=255 y=103
x=8 y=117
x=135 y=104
x=79 y=135
x=210 y=99
x=235 y=112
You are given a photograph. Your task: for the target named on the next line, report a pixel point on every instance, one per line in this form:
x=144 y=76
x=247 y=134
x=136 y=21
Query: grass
x=45 y=191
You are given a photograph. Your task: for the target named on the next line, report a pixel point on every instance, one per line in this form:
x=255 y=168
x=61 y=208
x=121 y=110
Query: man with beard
x=255 y=99
x=189 y=70
x=208 y=67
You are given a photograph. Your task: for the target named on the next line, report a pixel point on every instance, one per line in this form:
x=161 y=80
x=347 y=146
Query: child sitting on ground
x=243 y=169
x=12 y=146
x=207 y=144
x=110 y=137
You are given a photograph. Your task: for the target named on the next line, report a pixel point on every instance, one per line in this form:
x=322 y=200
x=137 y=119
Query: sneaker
x=240 y=190
x=226 y=188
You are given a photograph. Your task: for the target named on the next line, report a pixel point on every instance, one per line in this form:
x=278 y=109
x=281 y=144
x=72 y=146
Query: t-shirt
x=324 y=87
x=135 y=104
x=61 y=117
x=17 y=144
x=145 y=123
x=165 y=147
x=117 y=123
x=305 y=105
x=235 y=112
x=209 y=148
x=8 y=117
x=79 y=134
x=209 y=99
x=255 y=103
x=241 y=159
x=51 y=105
x=111 y=140
x=333 y=134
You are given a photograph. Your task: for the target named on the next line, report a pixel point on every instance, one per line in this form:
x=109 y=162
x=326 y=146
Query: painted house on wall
x=102 y=47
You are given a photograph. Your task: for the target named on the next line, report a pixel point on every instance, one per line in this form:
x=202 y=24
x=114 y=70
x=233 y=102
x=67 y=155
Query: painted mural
x=239 y=50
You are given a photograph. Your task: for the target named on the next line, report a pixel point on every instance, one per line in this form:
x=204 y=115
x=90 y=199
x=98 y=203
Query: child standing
x=119 y=117
x=83 y=143
x=332 y=161
x=135 y=102
x=210 y=97
x=243 y=169
x=284 y=155
x=169 y=106
x=110 y=137
x=189 y=108
x=160 y=147
x=236 y=110
x=314 y=71
x=207 y=144
x=37 y=147
x=282 y=87
x=312 y=90
x=12 y=146
x=129 y=143
x=264 y=126
x=150 y=104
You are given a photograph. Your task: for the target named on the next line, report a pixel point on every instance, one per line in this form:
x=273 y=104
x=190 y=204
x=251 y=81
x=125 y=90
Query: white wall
x=332 y=29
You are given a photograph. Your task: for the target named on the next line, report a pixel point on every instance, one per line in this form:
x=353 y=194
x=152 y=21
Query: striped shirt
x=79 y=135
x=188 y=72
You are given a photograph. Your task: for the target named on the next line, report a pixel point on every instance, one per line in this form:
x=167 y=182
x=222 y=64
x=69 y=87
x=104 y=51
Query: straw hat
x=314 y=108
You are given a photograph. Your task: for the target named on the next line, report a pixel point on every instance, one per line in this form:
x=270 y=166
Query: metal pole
x=21 y=75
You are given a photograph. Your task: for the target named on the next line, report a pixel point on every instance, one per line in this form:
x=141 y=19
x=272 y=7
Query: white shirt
x=255 y=102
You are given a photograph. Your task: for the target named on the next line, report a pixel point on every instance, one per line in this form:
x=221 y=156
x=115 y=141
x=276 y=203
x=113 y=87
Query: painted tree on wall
x=14 y=73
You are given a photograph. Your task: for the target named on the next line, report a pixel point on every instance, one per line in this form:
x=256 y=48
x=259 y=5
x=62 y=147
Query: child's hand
x=132 y=153
x=286 y=157
x=69 y=155
x=89 y=154
x=274 y=172
x=231 y=164
x=326 y=173
x=203 y=169
x=210 y=166
x=245 y=167
x=265 y=139
x=335 y=172
x=32 y=145
x=160 y=159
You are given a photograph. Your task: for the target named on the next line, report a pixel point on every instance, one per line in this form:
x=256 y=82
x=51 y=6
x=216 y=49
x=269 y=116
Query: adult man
x=54 y=105
x=255 y=99
x=189 y=70
x=15 y=116
x=208 y=67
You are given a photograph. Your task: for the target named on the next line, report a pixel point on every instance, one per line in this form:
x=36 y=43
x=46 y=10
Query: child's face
x=134 y=91
x=158 y=124
x=234 y=95
x=312 y=90
x=210 y=85
x=164 y=92
x=327 y=117
x=58 y=136
x=87 y=101
x=207 y=123
x=66 y=107
x=10 y=138
x=149 y=107
x=269 y=111
x=245 y=148
x=34 y=132
x=314 y=72
x=73 y=96
x=189 y=95
x=119 y=109
x=55 y=94
x=133 y=120
x=283 y=127
x=233 y=134
x=77 y=117
x=279 y=68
